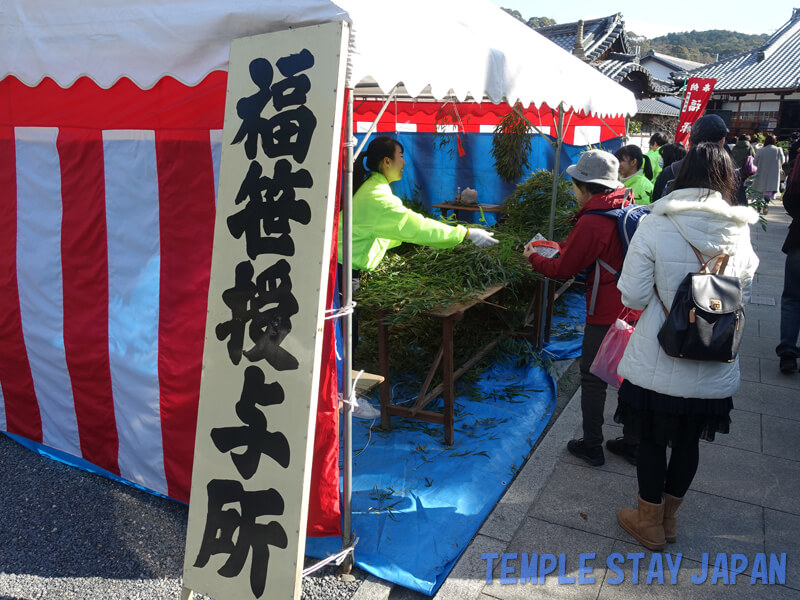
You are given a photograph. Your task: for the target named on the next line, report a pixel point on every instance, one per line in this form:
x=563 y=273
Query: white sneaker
x=363 y=409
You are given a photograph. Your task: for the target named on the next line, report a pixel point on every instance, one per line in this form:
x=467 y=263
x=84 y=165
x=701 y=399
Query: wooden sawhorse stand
x=534 y=316
x=448 y=316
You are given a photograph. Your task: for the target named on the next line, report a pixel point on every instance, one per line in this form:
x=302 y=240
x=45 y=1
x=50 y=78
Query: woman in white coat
x=673 y=401
x=769 y=160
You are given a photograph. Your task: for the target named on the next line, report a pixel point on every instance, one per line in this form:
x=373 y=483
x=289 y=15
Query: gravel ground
x=66 y=534
x=70 y=535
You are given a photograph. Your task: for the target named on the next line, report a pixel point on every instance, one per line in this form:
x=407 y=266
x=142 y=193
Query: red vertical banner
x=698 y=93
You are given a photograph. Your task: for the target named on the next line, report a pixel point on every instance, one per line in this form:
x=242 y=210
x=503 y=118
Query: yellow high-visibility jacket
x=381 y=221
x=654 y=156
x=642 y=187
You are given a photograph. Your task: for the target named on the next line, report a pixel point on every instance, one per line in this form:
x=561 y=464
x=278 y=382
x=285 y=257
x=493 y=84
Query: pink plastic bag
x=610 y=353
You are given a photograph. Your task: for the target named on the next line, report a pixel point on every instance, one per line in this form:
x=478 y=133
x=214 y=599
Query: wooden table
x=366 y=382
x=487 y=208
x=448 y=316
x=364 y=385
x=533 y=318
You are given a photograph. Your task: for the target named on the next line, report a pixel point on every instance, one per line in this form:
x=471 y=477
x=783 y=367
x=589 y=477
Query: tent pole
x=612 y=130
x=374 y=125
x=556 y=168
x=551 y=227
x=347 y=329
x=347 y=321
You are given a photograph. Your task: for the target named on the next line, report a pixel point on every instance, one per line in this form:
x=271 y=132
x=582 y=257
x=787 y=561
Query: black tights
x=656 y=476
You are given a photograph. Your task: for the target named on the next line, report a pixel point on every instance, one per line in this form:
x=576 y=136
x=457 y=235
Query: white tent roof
x=466 y=48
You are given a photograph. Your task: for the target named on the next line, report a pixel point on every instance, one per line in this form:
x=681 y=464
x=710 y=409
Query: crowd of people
x=698 y=210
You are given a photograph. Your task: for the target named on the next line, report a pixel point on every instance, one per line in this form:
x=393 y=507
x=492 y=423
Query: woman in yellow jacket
x=381 y=221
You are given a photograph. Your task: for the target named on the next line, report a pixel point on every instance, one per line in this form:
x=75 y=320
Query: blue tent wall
x=433 y=172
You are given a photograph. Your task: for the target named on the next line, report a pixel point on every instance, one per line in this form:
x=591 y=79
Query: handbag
x=749 y=167
x=706 y=320
x=611 y=350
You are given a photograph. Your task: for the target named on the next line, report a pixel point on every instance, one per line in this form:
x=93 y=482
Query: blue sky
x=652 y=19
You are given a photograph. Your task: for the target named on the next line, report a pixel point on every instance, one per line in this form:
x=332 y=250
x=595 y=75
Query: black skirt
x=661 y=418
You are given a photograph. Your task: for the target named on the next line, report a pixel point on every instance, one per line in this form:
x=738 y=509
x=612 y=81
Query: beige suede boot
x=645 y=523
x=671 y=504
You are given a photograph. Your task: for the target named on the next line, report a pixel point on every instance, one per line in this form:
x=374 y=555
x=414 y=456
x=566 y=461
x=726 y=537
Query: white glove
x=481 y=238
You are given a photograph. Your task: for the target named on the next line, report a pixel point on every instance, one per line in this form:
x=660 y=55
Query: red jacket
x=593 y=237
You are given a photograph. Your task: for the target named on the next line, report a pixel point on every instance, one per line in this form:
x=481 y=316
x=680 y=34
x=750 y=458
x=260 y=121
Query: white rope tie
x=351 y=400
x=337 y=313
x=336 y=558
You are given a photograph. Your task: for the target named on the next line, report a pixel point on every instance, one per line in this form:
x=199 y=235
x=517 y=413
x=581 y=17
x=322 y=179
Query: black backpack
x=706 y=320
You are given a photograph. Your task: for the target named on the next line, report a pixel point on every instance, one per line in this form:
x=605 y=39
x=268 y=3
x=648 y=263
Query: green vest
x=381 y=221
x=654 y=156
x=642 y=187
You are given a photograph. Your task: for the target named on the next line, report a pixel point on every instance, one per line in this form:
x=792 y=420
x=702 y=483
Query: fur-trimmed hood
x=704 y=219
x=657 y=261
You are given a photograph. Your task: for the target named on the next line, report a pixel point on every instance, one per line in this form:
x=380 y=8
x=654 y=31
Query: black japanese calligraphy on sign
x=223 y=523
x=268 y=328
x=253 y=435
x=289 y=132
x=271 y=204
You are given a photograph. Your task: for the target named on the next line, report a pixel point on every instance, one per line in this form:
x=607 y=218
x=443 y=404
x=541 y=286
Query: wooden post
x=551 y=299
x=537 y=313
x=383 y=361
x=447 y=365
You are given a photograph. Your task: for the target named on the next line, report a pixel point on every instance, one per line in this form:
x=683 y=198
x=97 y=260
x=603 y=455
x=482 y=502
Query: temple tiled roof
x=775 y=65
x=678 y=64
x=605 y=47
x=666 y=106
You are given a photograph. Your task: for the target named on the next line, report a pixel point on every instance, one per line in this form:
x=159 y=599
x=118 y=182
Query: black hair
x=633 y=152
x=672 y=152
x=379 y=148
x=658 y=138
x=769 y=140
x=591 y=187
x=708 y=166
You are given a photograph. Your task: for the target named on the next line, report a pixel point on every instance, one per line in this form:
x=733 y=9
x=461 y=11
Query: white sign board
x=266 y=303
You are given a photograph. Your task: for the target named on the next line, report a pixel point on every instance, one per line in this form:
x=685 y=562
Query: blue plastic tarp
x=566 y=332
x=417 y=502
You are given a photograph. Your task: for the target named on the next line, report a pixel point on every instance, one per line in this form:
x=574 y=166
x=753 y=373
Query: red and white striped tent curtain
x=107 y=201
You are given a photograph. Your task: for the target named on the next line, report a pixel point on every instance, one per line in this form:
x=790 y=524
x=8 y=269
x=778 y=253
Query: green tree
x=533 y=22
x=638 y=41
x=706 y=46
x=540 y=22
x=514 y=13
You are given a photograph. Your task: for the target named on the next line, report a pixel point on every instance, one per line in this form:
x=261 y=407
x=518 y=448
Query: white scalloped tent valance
x=465 y=48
